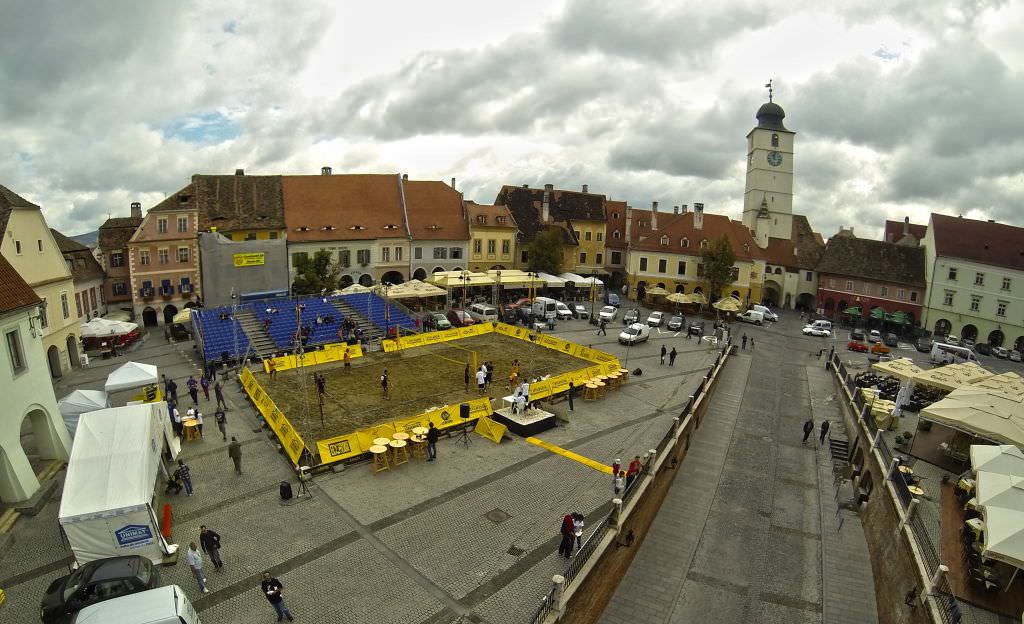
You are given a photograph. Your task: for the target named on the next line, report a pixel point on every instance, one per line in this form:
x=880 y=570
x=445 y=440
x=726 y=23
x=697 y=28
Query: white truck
x=163 y=605
x=752 y=316
x=545 y=308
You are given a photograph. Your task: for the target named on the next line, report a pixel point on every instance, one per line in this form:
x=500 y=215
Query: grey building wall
x=220 y=275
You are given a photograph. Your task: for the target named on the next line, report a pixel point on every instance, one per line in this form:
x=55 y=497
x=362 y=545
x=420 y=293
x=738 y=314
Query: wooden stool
x=400 y=435
x=590 y=392
x=191 y=429
x=613 y=380
x=381 y=441
x=600 y=389
x=380 y=458
x=401 y=452
x=625 y=374
x=419 y=447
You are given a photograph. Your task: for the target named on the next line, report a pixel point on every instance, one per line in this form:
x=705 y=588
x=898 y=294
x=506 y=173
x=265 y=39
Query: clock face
x=774 y=159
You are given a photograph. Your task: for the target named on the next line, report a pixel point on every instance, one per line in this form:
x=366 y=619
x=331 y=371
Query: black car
x=857 y=335
x=696 y=328
x=924 y=345
x=94 y=582
x=630 y=317
x=891 y=340
x=676 y=323
x=983 y=348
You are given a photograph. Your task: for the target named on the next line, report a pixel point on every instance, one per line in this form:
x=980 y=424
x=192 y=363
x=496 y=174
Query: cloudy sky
x=900 y=108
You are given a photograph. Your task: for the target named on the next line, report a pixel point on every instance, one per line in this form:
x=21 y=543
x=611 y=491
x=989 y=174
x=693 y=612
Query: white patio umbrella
x=1000 y=490
x=1004 y=459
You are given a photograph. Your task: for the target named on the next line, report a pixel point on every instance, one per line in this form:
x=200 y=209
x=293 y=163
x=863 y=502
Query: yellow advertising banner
x=429 y=338
x=149 y=394
x=249 y=259
x=290 y=439
x=330 y=353
x=490 y=429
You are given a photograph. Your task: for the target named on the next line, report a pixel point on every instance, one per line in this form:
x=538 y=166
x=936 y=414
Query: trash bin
x=286 y=490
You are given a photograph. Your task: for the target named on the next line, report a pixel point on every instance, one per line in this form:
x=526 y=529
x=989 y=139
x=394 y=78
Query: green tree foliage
x=718 y=258
x=315 y=274
x=545 y=252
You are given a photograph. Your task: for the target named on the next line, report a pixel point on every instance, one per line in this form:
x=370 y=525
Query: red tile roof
x=677 y=227
x=894 y=231
x=490 y=213
x=115 y=232
x=15 y=293
x=342 y=207
x=435 y=211
x=986 y=242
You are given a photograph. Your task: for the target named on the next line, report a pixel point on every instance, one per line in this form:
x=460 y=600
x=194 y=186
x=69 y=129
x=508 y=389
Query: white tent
x=572 y=277
x=551 y=280
x=106 y=509
x=999 y=418
x=1004 y=459
x=132 y=375
x=103 y=328
x=80 y=402
x=1004 y=535
x=1000 y=490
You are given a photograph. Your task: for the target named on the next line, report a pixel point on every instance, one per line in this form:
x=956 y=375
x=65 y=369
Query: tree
x=316 y=274
x=545 y=252
x=718 y=258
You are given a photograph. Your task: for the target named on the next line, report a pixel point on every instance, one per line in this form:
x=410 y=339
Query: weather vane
x=769 y=87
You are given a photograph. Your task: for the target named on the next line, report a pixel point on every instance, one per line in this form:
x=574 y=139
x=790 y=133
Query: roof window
x=357 y=227
x=390 y=226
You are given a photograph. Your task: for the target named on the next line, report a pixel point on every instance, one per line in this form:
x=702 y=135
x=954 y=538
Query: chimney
x=683 y=208
x=906 y=226
x=629 y=224
x=453 y=182
x=586 y=188
x=137 y=210
x=698 y=216
x=405 y=177
x=325 y=171
x=239 y=172
x=545 y=210
x=675 y=209
x=654 y=216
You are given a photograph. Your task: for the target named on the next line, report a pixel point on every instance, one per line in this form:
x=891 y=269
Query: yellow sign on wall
x=249 y=259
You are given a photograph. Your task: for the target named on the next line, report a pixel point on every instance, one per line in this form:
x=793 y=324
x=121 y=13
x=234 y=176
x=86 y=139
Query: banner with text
x=290 y=439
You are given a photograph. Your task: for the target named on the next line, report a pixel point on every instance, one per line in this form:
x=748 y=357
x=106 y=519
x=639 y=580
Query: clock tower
x=768 y=194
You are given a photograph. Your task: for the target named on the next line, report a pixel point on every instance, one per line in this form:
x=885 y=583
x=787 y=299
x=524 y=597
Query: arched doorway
x=661 y=284
x=1018 y=344
x=72 y=345
x=169 y=311
x=149 y=318
x=420 y=274
x=437 y=270
x=806 y=302
x=788 y=303
x=53 y=359
x=366 y=280
x=37 y=443
x=345 y=282
x=969 y=332
x=996 y=338
x=392 y=277
x=772 y=293
x=942 y=327
x=735 y=294
x=641 y=284
x=680 y=288
x=698 y=290
x=842 y=306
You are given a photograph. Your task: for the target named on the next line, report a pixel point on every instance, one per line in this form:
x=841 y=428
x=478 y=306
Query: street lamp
x=387 y=310
x=593 y=294
x=497 y=288
x=465 y=294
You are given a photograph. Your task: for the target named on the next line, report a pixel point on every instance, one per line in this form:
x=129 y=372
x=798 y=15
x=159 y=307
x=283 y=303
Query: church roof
x=770 y=116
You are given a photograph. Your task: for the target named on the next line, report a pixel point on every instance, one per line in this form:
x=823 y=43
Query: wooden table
x=380 y=458
x=190 y=427
x=400 y=435
x=625 y=374
x=381 y=441
x=419 y=431
x=907 y=470
x=590 y=391
x=915 y=490
x=400 y=452
x=419 y=444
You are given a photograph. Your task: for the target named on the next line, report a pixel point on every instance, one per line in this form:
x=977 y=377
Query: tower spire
x=769 y=87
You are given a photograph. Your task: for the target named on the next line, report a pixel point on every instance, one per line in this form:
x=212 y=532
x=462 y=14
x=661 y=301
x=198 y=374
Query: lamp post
x=465 y=288
x=497 y=288
x=387 y=309
x=593 y=294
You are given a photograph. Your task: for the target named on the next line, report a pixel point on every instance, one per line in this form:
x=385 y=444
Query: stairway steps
x=370 y=331
x=263 y=345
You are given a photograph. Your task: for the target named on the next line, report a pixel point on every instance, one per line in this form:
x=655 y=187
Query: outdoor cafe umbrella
x=878 y=312
x=899 y=317
x=1000 y=490
x=698 y=298
x=997 y=417
x=678 y=298
x=1004 y=459
x=727 y=304
x=1005 y=383
x=1004 y=535
x=656 y=291
x=854 y=311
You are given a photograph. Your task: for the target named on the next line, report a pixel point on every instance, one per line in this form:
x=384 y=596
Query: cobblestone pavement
x=748 y=531
x=407 y=546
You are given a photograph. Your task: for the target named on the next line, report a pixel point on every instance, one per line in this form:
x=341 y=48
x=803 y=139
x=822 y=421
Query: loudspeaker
x=286 y=490
x=464 y=411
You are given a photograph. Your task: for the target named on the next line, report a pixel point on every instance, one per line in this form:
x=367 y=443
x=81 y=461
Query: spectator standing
x=199 y=422
x=744 y=341
x=218 y=391
x=204 y=383
x=616 y=467
x=664 y=352
x=619 y=482
x=210 y=541
x=672 y=356
x=577 y=528
x=432 y=435
x=195 y=561
x=385 y=385
x=568 y=531
x=569 y=394
x=272 y=590
x=481 y=379
x=186 y=477
x=222 y=423
x=235 y=453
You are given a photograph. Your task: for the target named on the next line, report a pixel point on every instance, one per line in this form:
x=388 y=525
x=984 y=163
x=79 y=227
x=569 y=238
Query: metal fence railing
x=949 y=608
x=542 y=610
x=587 y=549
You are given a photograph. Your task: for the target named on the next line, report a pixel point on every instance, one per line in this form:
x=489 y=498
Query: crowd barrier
x=290 y=439
x=334 y=352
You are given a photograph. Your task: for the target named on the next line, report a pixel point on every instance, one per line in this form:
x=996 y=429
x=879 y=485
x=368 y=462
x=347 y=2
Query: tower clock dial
x=774 y=158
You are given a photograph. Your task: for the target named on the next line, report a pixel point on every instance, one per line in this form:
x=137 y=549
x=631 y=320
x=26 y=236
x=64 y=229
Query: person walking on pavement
x=210 y=541
x=664 y=352
x=272 y=590
x=193 y=389
x=204 y=383
x=218 y=391
x=222 y=422
x=672 y=356
x=635 y=467
x=384 y=385
x=432 y=434
x=568 y=531
x=744 y=341
x=194 y=559
x=601 y=331
x=824 y=430
x=199 y=422
x=235 y=453
x=619 y=482
x=577 y=528
x=172 y=390
x=568 y=395
x=616 y=467
x=808 y=429
x=185 y=475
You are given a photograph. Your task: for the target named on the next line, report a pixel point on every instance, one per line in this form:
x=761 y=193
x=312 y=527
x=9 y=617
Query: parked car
x=874 y=335
x=878 y=348
x=608 y=313
x=1000 y=353
x=655 y=319
x=816 y=330
x=460 y=318
x=612 y=299
x=696 y=328
x=510 y=314
x=676 y=323
x=924 y=345
x=891 y=340
x=857 y=346
x=857 y=334
x=483 y=313
x=1015 y=356
x=752 y=316
x=96 y=581
x=579 y=311
x=438 y=321
x=563 y=311
x=983 y=348
x=631 y=316
x=969 y=343
x=953 y=340
x=637 y=332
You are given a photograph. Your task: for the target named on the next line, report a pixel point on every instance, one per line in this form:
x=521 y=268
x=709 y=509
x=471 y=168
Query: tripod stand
x=463 y=435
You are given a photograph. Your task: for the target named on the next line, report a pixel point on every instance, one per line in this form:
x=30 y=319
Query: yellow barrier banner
x=339 y=448
x=334 y=352
x=490 y=429
x=149 y=394
x=290 y=439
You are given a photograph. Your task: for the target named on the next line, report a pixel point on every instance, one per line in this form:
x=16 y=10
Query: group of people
x=671 y=355
x=572 y=534
x=210 y=543
x=623 y=479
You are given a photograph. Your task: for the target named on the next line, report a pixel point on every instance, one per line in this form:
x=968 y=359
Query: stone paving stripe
x=713 y=581
x=248 y=584
x=223 y=449
x=788 y=601
x=586 y=461
x=28 y=575
x=227 y=502
x=791 y=531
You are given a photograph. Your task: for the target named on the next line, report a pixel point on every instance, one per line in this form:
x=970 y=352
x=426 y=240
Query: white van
x=821 y=324
x=545 y=308
x=752 y=316
x=563 y=311
x=163 y=605
x=765 y=312
x=483 y=313
x=951 y=354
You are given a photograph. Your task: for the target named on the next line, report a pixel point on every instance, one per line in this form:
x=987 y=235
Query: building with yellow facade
x=492 y=237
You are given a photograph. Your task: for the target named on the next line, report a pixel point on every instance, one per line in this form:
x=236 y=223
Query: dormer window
x=433 y=227
x=616 y=234
x=500 y=220
x=390 y=226
x=302 y=229
x=481 y=218
x=357 y=227
x=684 y=243
x=615 y=215
x=327 y=228
x=746 y=247
x=664 y=240
x=775 y=140
x=704 y=243
x=642 y=224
